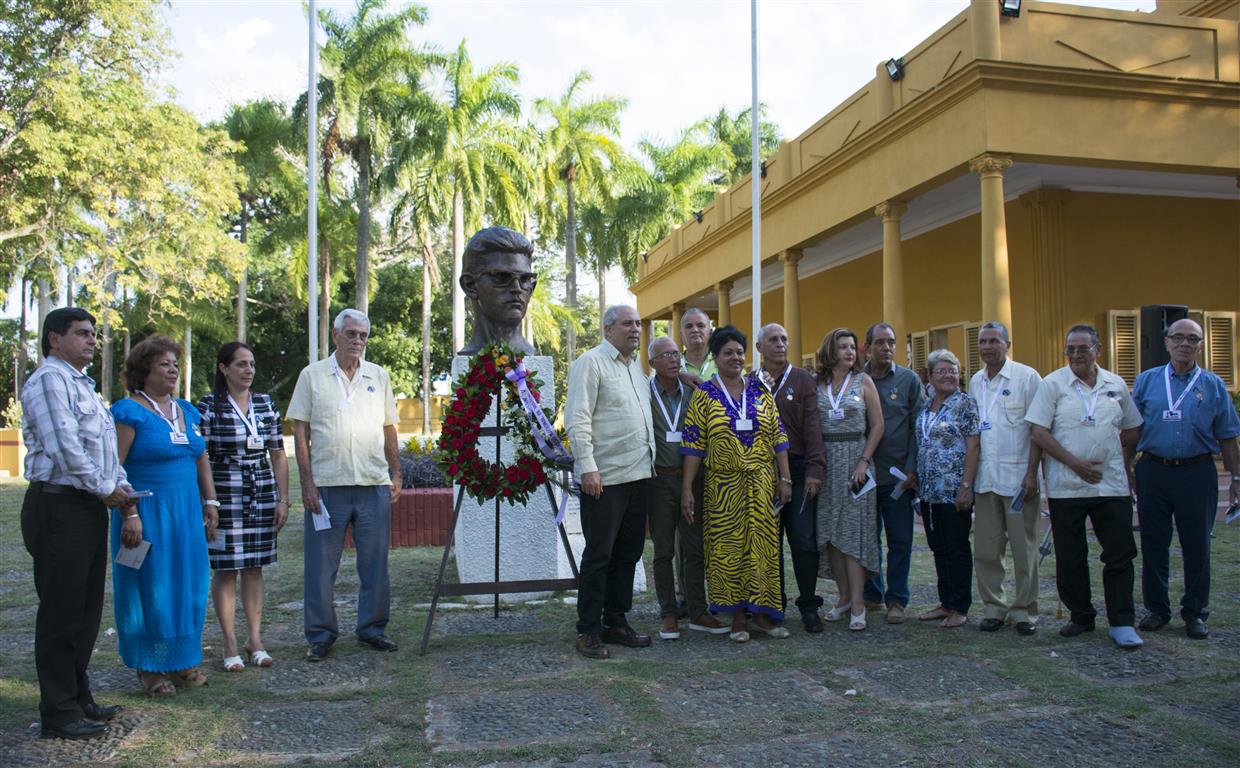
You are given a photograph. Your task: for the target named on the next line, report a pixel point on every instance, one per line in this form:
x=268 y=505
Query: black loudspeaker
x=1155 y=319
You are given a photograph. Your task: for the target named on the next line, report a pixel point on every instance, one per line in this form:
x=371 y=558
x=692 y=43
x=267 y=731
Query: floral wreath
x=537 y=452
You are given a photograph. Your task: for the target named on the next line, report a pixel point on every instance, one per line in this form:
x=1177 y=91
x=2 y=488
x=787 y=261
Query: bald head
x=1183 y=342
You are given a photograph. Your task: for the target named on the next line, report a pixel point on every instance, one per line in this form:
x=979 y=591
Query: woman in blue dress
x=161 y=605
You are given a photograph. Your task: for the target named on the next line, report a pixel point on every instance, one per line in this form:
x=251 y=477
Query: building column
x=893 y=270
x=1048 y=255
x=643 y=353
x=678 y=311
x=723 y=294
x=984 y=22
x=996 y=289
x=792 y=303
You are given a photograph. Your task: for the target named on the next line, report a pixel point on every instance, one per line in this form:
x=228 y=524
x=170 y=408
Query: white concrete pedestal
x=530 y=546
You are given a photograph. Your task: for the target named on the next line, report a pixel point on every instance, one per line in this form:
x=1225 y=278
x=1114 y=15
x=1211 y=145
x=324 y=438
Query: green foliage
x=12 y=414
x=736 y=133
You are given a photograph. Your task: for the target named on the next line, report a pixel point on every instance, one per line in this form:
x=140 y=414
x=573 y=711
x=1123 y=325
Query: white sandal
x=836 y=613
x=234 y=664
x=858 y=622
x=261 y=658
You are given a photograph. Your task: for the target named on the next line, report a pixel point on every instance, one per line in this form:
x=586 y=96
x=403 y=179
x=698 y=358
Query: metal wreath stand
x=496 y=587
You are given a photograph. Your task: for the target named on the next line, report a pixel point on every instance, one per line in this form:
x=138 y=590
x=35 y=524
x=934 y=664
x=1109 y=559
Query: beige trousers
x=994 y=528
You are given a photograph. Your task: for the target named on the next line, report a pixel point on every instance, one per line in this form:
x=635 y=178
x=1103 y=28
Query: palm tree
x=261 y=126
x=371 y=67
x=579 y=142
x=736 y=133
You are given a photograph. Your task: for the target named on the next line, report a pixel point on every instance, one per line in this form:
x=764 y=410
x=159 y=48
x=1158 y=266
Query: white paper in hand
x=898 y=491
x=869 y=485
x=321 y=519
x=132 y=557
x=216 y=541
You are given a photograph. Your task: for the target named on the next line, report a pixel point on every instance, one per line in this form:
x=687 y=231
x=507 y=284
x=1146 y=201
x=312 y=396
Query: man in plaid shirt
x=74 y=476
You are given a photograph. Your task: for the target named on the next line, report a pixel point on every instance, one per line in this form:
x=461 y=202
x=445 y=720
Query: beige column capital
x=791 y=255
x=723 y=286
x=1044 y=196
x=990 y=164
x=892 y=210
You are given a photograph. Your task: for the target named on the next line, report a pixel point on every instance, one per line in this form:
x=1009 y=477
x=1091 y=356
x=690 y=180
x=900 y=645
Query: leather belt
x=61 y=490
x=670 y=471
x=1180 y=462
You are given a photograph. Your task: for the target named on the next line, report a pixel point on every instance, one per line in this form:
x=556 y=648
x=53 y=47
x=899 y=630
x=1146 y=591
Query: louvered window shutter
x=972 y=356
x=1123 y=333
x=920 y=350
x=1220 y=346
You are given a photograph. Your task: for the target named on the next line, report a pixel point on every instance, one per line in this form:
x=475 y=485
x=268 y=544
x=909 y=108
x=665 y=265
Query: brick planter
x=420 y=518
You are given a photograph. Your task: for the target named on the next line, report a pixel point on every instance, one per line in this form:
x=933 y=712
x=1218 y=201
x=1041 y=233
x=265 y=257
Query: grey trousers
x=369 y=509
x=663 y=508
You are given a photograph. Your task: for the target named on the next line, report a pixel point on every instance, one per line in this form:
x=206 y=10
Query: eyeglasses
x=1180 y=338
x=354 y=334
x=1073 y=351
x=501 y=279
x=671 y=354
x=946 y=372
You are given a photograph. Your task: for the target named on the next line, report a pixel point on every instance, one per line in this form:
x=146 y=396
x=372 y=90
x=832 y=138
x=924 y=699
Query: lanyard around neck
x=834 y=399
x=247 y=418
x=1091 y=405
x=744 y=408
x=674 y=419
x=176 y=412
x=1174 y=407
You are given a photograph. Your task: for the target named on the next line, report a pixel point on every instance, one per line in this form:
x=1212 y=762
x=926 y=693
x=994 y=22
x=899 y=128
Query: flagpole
x=312 y=196
x=755 y=186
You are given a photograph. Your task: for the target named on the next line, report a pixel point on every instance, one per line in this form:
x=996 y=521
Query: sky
x=675 y=62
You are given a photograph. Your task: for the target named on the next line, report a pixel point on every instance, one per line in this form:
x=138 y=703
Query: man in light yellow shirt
x=611 y=433
x=344 y=424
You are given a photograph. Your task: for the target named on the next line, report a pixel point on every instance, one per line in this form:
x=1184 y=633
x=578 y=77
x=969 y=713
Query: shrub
x=421 y=471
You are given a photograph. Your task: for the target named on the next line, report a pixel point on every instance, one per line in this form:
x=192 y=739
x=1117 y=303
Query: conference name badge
x=254 y=442
x=672 y=437
x=178 y=438
x=835 y=414
x=1172 y=416
x=744 y=425
x=985 y=425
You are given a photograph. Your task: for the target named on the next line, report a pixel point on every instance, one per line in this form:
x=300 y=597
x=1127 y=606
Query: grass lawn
x=513 y=692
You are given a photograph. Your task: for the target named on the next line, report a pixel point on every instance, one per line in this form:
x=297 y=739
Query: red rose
x=507 y=493
x=454 y=469
x=460 y=392
x=458 y=406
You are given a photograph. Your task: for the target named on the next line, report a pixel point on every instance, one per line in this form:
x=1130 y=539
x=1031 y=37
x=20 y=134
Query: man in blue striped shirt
x=1189 y=417
x=74 y=475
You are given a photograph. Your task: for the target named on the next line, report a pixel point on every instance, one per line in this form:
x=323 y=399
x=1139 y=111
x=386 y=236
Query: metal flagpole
x=755 y=185
x=312 y=197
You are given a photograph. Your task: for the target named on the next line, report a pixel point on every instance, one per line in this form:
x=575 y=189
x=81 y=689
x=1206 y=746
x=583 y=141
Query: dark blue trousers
x=1186 y=497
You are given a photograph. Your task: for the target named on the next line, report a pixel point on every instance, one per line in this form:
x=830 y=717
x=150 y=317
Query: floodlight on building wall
x=1009 y=8
x=895 y=69
x=762 y=168
x=697 y=216
x=645 y=256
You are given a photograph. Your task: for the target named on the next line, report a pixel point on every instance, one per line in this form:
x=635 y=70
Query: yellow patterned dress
x=740 y=523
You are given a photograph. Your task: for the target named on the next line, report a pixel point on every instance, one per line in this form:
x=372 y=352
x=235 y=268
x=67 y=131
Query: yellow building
x=1066 y=165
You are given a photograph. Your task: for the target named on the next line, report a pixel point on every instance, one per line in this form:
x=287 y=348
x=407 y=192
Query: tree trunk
x=20 y=377
x=602 y=298
x=69 y=287
x=187 y=364
x=570 y=259
x=106 y=368
x=325 y=296
x=128 y=342
x=458 y=252
x=361 y=272
x=243 y=281
x=45 y=306
x=427 y=255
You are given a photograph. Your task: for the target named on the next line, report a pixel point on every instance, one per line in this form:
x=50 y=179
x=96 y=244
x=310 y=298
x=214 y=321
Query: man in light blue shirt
x=1189 y=417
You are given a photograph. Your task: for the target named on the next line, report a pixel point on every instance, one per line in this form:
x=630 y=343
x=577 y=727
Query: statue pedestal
x=529 y=541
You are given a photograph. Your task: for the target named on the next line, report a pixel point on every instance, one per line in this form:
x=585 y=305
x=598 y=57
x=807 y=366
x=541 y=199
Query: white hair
x=656 y=340
x=350 y=314
x=762 y=331
x=942 y=356
x=609 y=317
x=694 y=311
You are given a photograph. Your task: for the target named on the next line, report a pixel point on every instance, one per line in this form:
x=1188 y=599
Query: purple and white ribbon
x=544 y=434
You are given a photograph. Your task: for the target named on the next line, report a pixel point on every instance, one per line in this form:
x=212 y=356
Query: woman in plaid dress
x=242 y=432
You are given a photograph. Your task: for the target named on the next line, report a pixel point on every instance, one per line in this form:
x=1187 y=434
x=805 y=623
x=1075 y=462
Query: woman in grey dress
x=852 y=425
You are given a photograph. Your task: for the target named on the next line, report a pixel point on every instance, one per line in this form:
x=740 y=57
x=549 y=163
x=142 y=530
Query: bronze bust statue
x=497 y=278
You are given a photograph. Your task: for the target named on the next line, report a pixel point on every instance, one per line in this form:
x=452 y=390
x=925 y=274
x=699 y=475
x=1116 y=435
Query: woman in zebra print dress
x=733 y=427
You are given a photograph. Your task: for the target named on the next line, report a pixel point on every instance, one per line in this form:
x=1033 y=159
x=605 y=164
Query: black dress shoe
x=1196 y=629
x=991 y=625
x=625 y=636
x=1072 y=629
x=102 y=714
x=1153 y=621
x=85 y=728
x=318 y=651
x=379 y=643
x=591 y=647
x=1026 y=628
x=812 y=622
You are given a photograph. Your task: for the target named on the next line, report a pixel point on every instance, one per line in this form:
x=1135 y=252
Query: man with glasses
x=669 y=401
x=1006 y=509
x=796 y=397
x=344 y=426
x=1189 y=417
x=1086 y=424
x=900 y=391
x=496 y=278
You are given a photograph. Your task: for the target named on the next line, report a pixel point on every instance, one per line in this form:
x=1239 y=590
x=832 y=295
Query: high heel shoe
x=837 y=613
x=858 y=622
